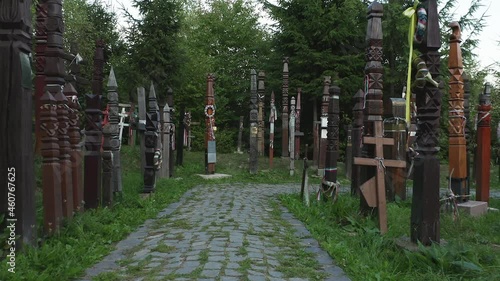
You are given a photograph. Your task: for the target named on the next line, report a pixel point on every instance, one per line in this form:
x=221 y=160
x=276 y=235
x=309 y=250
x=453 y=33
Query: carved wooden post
x=332 y=143
x=356 y=135
x=76 y=156
x=425 y=201
x=187 y=123
x=456 y=127
x=107 y=166
x=210 y=148
x=165 y=167
x=272 y=117
x=16 y=140
x=150 y=141
x=180 y=138
x=284 y=118
x=324 y=125
x=131 y=135
x=348 y=152
x=483 y=145
x=468 y=131
x=253 y=160
x=240 y=134
x=298 y=133
x=114 y=119
x=373 y=106
x=93 y=132
x=170 y=101
x=141 y=124
x=291 y=141
x=40 y=47
x=316 y=141
x=261 y=95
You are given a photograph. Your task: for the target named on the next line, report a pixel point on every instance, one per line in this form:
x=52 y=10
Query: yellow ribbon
x=411 y=13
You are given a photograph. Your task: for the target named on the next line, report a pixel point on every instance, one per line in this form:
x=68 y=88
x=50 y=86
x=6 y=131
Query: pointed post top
x=285 y=64
x=293 y=102
x=69 y=89
x=60 y=97
x=433 y=37
x=166 y=108
x=456 y=33
x=487 y=89
x=169 y=91
x=112 y=85
x=334 y=90
x=47 y=98
x=375 y=9
x=152 y=92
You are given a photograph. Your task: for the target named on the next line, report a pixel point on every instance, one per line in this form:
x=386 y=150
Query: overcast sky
x=488 y=50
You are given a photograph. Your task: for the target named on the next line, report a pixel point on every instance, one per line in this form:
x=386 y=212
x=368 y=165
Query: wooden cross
x=374 y=189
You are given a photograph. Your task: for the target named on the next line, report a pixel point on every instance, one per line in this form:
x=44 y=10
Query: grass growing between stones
x=472 y=251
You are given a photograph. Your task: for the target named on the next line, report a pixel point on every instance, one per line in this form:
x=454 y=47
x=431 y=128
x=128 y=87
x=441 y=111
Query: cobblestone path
x=222 y=232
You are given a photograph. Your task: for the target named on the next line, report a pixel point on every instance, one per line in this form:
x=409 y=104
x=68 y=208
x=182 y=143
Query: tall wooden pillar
x=165 y=167
x=141 y=124
x=324 y=125
x=291 y=140
x=16 y=110
x=93 y=133
x=240 y=134
x=483 y=145
x=172 y=146
x=114 y=119
x=40 y=47
x=425 y=226
x=254 y=157
x=151 y=139
x=468 y=132
x=210 y=147
x=261 y=99
x=332 y=144
x=298 y=133
x=456 y=128
x=284 y=118
x=180 y=137
x=356 y=135
x=273 y=116
x=373 y=109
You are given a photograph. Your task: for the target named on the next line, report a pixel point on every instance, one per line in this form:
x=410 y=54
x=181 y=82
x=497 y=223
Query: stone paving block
x=213 y=265
x=232 y=265
x=210 y=273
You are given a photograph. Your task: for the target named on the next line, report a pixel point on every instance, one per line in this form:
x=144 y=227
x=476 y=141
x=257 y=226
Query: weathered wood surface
x=141 y=124
x=210 y=144
x=483 y=145
x=373 y=190
x=291 y=141
x=324 y=125
x=457 y=150
x=357 y=144
x=298 y=133
x=165 y=167
x=373 y=105
x=151 y=139
x=395 y=128
x=348 y=152
x=329 y=182
x=16 y=140
x=172 y=146
x=273 y=116
x=253 y=159
x=131 y=121
x=425 y=226
x=261 y=95
x=284 y=117
x=468 y=131
x=114 y=120
x=180 y=138
x=93 y=133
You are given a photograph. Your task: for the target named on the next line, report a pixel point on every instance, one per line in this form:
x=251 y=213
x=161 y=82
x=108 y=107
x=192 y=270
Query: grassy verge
x=472 y=251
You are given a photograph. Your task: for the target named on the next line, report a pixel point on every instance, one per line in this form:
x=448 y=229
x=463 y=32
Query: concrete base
x=214 y=176
x=321 y=172
x=474 y=208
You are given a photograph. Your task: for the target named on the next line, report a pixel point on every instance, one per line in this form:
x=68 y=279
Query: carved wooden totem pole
x=483 y=145
x=16 y=140
x=284 y=118
x=165 y=167
x=180 y=138
x=151 y=139
x=356 y=135
x=210 y=148
x=141 y=124
x=298 y=133
x=273 y=116
x=172 y=146
x=261 y=95
x=254 y=157
x=93 y=133
x=114 y=119
x=329 y=185
x=40 y=47
x=291 y=141
x=456 y=127
x=425 y=201
x=468 y=132
x=324 y=125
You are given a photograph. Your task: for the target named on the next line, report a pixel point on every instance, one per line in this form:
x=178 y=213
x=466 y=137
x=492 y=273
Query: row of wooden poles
x=365 y=157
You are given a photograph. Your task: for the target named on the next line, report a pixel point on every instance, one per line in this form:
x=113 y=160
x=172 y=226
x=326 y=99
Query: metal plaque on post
x=212 y=157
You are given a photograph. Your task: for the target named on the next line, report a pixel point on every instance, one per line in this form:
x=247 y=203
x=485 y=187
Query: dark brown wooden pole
x=254 y=157
x=298 y=133
x=210 y=147
x=324 y=125
x=132 y=120
x=76 y=156
x=40 y=47
x=114 y=119
x=425 y=226
x=332 y=141
x=261 y=95
x=373 y=105
x=151 y=139
x=17 y=191
x=457 y=152
x=170 y=101
x=273 y=116
x=93 y=133
x=284 y=118
x=483 y=145
x=356 y=135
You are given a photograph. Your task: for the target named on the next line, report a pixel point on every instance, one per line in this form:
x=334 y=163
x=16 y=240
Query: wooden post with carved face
x=254 y=157
x=483 y=145
x=16 y=140
x=456 y=127
x=151 y=138
x=210 y=147
x=284 y=118
x=425 y=224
